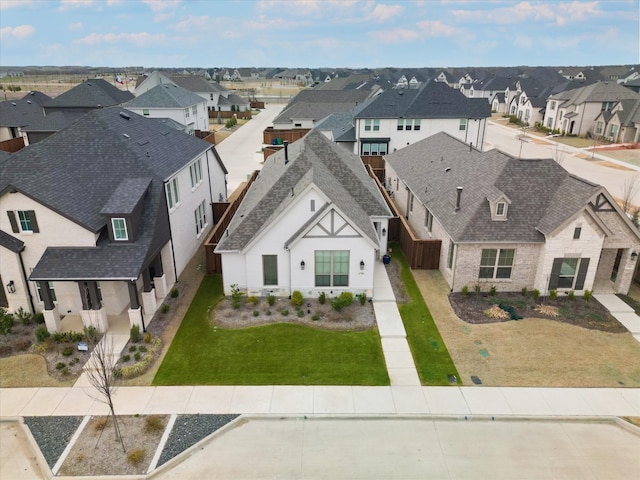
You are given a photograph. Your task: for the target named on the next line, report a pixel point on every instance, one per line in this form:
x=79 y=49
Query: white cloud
x=7 y=4
x=142 y=39
x=382 y=13
x=161 y=5
x=20 y=32
x=75 y=26
x=435 y=28
x=300 y=7
x=69 y=4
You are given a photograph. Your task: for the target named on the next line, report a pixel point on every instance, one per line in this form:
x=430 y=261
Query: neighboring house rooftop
x=54 y=121
x=94 y=93
x=165 y=95
x=313 y=159
x=197 y=84
x=541 y=194
x=22 y=112
x=596 y=92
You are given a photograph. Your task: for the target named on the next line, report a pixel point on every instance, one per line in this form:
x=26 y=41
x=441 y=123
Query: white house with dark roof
x=101 y=218
x=15 y=115
x=312 y=221
x=168 y=100
x=512 y=223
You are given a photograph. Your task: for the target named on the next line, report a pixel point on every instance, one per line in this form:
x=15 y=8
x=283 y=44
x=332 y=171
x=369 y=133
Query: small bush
x=253 y=300
x=136 y=356
x=344 y=300
x=496 y=313
x=284 y=312
x=67 y=351
x=42 y=333
x=134 y=334
x=22 y=344
x=91 y=334
x=571 y=295
x=587 y=295
x=153 y=423
x=524 y=291
x=126 y=358
x=74 y=360
x=535 y=293
x=24 y=316
x=315 y=317
x=175 y=292
x=464 y=291
x=477 y=289
x=268 y=312
x=39 y=318
x=553 y=294
x=300 y=313
x=271 y=300
x=101 y=423
x=363 y=298
x=142 y=348
x=133 y=348
x=256 y=313
x=65 y=371
x=322 y=298
x=493 y=290
x=165 y=308
x=136 y=456
x=297 y=299
x=60 y=365
x=6 y=322
x=147 y=337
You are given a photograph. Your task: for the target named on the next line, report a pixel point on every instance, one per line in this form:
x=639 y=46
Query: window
x=186 y=112
x=599 y=126
x=332 y=268
x=145 y=112
x=613 y=131
x=410 y=202
x=376 y=125
x=371 y=125
x=552 y=106
x=201 y=218
x=194 y=110
x=576 y=233
x=560 y=117
x=526 y=115
x=549 y=122
x=25 y=221
x=270 y=270
x=53 y=292
x=400 y=124
x=500 y=209
x=416 y=125
x=119 y=229
x=452 y=251
x=606 y=106
x=211 y=96
x=463 y=124
x=374 y=149
x=297 y=125
x=568 y=273
x=313 y=205
x=408 y=124
x=428 y=220
x=173 y=197
x=195 y=171
x=496 y=263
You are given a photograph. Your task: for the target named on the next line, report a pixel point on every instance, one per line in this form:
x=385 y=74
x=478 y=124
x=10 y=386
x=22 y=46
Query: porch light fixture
x=302 y=265
x=11 y=287
x=361 y=264
x=384 y=232
x=634 y=255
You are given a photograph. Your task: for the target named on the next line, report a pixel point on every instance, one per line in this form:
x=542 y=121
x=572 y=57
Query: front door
x=616 y=265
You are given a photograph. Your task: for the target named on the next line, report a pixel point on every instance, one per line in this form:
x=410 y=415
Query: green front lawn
x=430 y=354
x=281 y=354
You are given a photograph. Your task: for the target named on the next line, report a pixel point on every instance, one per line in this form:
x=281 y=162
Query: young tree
x=630 y=189
x=100 y=370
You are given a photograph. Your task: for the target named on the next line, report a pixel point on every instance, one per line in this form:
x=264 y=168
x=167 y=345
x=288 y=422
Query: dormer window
x=119 y=229
x=500 y=209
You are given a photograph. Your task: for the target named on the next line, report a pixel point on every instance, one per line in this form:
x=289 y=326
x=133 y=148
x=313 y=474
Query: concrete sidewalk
x=622 y=312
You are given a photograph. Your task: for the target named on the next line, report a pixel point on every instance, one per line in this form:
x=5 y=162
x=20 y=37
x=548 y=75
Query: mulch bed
x=587 y=314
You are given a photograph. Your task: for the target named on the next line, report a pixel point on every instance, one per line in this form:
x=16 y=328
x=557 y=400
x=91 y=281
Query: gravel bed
x=189 y=430
x=52 y=434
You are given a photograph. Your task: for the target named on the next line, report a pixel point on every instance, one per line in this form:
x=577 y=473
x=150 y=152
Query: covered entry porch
x=615 y=272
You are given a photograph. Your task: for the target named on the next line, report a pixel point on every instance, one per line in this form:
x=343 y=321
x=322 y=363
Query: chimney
x=459 y=189
x=286 y=152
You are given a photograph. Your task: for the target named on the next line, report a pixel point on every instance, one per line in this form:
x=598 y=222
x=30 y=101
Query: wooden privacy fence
x=12 y=145
x=224 y=115
x=270 y=134
x=420 y=254
x=222 y=214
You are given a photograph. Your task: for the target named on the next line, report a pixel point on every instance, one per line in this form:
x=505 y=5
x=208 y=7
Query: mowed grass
x=430 y=354
x=281 y=354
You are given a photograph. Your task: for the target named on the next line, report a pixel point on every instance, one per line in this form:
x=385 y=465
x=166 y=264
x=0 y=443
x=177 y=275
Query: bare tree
x=630 y=189
x=100 y=370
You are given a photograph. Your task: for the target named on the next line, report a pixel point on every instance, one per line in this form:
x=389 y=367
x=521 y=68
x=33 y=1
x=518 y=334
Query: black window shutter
x=555 y=273
x=34 y=222
x=12 y=221
x=582 y=273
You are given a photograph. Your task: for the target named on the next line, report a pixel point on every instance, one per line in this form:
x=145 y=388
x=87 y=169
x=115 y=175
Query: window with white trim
x=500 y=209
x=186 y=112
x=331 y=268
x=145 y=112
x=463 y=124
x=200 y=218
x=416 y=124
x=428 y=220
x=269 y=270
x=371 y=125
x=173 y=195
x=194 y=110
x=496 y=262
x=374 y=148
x=24 y=220
x=119 y=226
x=195 y=172
x=53 y=292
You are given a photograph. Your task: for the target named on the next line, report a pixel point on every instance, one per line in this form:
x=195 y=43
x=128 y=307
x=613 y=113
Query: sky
x=318 y=33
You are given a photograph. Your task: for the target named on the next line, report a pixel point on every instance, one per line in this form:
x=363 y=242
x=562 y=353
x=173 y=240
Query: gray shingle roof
x=94 y=93
x=542 y=194
x=596 y=92
x=10 y=242
x=126 y=196
x=197 y=84
x=22 y=112
x=54 y=121
x=431 y=100
x=165 y=95
x=76 y=171
x=314 y=159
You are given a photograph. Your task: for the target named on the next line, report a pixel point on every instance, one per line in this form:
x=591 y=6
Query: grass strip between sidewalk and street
x=280 y=354
x=430 y=354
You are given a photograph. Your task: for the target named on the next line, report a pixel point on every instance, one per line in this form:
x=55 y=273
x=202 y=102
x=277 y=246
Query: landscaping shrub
x=175 y=292
x=136 y=456
x=535 y=293
x=91 y=334
x=587 y=295
x=153 y=423
x=133 y=348
x=363 y=298
x=142 y=348
x=315 y=317
x=126 y=358
x=6 y=322
x=39 y=318
x=42 y=333
x=464 y=291
x=496 y=313
x=60 y=365
x=344 y=300
x=67 y=351
x=478 y=289
x=571 y=296
x=300 y=313
x=297 y=299
x=74 y=360
x=553 y=295
x=284 y=312
x=165 y=308
x=147 y=337
x=22 y=344
x=236 y=296
x=322 y=298
x=101 y=423
x=268 y=312
x=24 y=316
x=492 y=290
x=137 y=356
x=253 y=300
x=256 y=313
x=524 y=291
x=134 y=334
x=271 y=300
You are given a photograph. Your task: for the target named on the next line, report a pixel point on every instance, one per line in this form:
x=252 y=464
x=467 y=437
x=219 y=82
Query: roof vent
x=459 y=190
x=125 y=115
x=125 y=135
x=448 y=169
x=29 y=102
x=13 y=103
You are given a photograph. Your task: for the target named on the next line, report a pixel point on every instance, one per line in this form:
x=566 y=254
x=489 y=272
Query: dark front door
x=3 y=296
x=616 y=265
